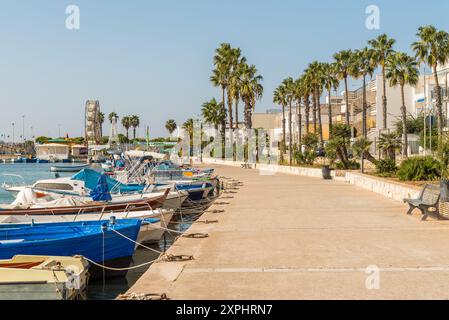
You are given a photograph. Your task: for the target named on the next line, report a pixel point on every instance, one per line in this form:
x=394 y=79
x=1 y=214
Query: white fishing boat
x=43 y=278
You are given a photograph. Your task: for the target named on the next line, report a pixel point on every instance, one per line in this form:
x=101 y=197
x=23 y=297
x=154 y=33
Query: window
x=54 y=186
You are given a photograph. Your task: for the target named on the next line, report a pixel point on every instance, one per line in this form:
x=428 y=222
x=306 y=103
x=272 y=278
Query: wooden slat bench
x=427 y=202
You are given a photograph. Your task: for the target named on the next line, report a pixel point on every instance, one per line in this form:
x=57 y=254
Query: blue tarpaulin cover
x=101 y=191
x=90 y=178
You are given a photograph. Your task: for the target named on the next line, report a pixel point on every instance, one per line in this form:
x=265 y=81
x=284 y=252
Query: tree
x=432 y=48
x=101 y=121
x=361 y=67
x=330 y=82
x=298 y=93
x=289 y=86
x=135 y=123
x=389 y=143
x=111 y=116
x=317 y=79
x=42 y=139
x=251 y=90
x=126 y=123
x=171 y=126
x=188 y=128
x=122 y=138
x=343 y=63
x=361 y=148
x=213 y=113
x=306 y=91
x=280 y=97
x=382 y=49
x=338 y=145
x=235 y=86
x=401 y=70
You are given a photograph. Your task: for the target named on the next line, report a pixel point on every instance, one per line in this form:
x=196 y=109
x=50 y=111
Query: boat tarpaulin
x=101 y=191
x=90 y=178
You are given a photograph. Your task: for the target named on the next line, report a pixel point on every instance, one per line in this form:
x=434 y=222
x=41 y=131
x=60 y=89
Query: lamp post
x=13 y=137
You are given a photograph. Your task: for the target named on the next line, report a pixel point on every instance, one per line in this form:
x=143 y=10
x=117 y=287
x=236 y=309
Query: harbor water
x=98 y=290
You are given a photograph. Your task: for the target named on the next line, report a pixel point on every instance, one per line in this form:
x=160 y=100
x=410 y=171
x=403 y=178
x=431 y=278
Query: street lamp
x=13 y=137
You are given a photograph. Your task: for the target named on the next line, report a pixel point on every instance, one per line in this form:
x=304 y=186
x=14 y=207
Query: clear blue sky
x=154 y=58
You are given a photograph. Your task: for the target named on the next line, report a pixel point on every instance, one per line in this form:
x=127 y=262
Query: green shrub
x=420 y=169
x=352 y=165
x=308 y=157
x=386 y=167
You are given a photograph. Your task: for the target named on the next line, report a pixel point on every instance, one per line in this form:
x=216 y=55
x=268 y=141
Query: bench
x=427 y=202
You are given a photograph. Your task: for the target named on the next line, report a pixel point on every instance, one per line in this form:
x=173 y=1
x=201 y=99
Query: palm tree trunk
x=231 y=122
x=223 y=124
x=384 y=99
x=347 y=101
x=299 y=127
x=283 y=129
x=364 y=127
x=320 y=124
x=134 y=132
x=330 y=112
x=307 y=114
x=236 y=113
x=439 y=105
x=404 y=125
x=314 y=112
x=290 y=137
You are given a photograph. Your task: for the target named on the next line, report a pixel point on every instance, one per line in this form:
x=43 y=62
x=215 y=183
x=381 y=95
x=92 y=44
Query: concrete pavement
x=291 y=237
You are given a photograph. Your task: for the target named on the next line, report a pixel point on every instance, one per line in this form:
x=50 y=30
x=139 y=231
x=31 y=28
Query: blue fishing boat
x=95 y=240
x=42 y=161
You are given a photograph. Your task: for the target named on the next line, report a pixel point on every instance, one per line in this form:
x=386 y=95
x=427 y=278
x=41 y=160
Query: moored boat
x=68 y=168
x=43 y=278
x=102 y=242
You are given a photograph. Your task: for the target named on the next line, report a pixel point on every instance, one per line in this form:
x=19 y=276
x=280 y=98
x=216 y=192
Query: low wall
x=390 y=189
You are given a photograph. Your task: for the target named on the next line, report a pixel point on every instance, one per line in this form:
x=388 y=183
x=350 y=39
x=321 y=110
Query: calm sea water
x=30 y=172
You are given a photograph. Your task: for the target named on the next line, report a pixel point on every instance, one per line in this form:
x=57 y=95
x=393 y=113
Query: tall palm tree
x=101 y=121
x=330 y=82
x=171 y=126
x=298 y=93
x=221 y=74
x=361 y=67
x=432 y=48
x=280 y=97
x=235 y=86
x=111 y=116
x=343 y=63
x=251 y=91
x=316 y=69
x=306 y=91
x=135 y=123
x=213 y=113
x=188 y=128
x=126 y=123
x=289 y=85
x=382 y=49
x=402 y=70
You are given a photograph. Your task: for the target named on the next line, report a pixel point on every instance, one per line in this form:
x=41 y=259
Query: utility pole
x=13 y=137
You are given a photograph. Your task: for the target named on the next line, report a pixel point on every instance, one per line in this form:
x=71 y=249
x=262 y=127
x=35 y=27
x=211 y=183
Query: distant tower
x=92 y=125
x=113 y=135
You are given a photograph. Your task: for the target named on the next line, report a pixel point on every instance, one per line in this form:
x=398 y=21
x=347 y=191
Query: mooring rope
x=137 y=243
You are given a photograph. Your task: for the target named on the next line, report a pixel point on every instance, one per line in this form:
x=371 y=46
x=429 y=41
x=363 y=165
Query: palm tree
x=221 y=75
x=126 y=123
x=382 y=49
x=101 y=121
x=111 y=116
x=432 y=48
x=402 y=70
x=307 y=91
x=251 y=90
x=361 y=148
x=213 y=113
x=235 y=86
x=330 y=82
x=389 y=143
x=135 y=122
x=343 y=63
x=280 y=97
x=298 y=93
x=316 y=70
x=289 y=86
x=171 y=126
x=361 y=67
x=188 y=128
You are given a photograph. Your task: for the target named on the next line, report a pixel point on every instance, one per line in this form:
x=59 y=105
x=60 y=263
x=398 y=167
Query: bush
x=352 y=165
x=308 y=157
x=420 y=169
x=386 y=167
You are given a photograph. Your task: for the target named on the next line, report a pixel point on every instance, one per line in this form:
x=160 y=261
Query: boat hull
x=74 y=168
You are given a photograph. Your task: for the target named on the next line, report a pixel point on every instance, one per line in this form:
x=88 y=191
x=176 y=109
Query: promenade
x=292 y=237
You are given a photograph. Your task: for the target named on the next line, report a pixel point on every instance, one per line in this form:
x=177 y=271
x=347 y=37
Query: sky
x=153 y=58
